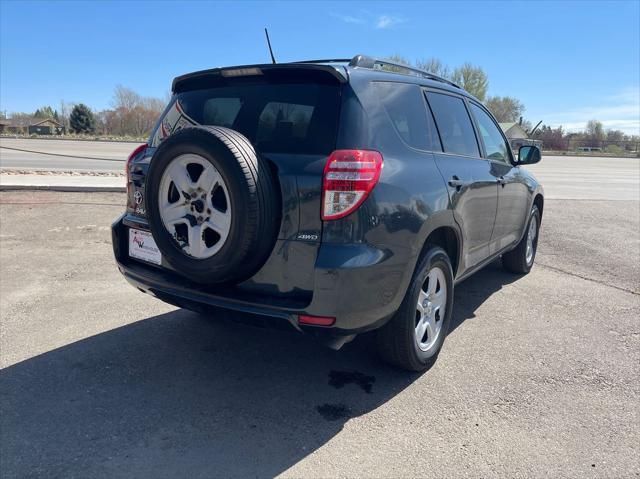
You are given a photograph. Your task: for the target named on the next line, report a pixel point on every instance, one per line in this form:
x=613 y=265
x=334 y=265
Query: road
x=539 y=376
x=108 y=150
x=564 y=177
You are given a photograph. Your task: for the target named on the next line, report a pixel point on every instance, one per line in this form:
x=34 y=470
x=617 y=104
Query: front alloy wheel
x=520 y=259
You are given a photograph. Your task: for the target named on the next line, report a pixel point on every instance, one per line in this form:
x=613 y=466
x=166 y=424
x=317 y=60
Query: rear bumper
x=359 y=285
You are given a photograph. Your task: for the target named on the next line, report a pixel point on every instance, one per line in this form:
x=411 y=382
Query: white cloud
x=365 y=17
x=620 y=111
x=388 y=21
x=348 y=18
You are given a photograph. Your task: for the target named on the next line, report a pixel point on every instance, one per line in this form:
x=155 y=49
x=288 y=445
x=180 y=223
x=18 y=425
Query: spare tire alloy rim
x=194 y=205
x=531 y=238
x=431 y=308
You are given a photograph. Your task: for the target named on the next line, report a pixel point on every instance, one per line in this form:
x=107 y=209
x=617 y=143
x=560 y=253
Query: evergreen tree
x=46 y=112
x=82 y=120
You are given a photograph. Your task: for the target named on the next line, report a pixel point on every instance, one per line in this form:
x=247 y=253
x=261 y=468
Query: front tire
x=520 y=260
x=413 y=338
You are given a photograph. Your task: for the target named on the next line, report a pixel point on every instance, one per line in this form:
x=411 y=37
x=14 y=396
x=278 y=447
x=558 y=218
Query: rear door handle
x=502 y=181
x=456 y=182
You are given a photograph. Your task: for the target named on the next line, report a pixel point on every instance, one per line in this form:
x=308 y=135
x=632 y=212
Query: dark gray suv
x=333 y=197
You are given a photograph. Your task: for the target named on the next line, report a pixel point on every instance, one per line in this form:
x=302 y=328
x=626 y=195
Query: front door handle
x=501 y=181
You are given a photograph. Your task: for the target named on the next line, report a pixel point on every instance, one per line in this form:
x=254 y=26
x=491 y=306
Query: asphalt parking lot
x=539 y=375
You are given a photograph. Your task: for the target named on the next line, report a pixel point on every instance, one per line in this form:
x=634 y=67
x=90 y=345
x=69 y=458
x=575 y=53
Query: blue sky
x=567 y=61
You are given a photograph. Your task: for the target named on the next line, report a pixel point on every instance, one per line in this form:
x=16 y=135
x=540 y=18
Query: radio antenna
x=273 y=60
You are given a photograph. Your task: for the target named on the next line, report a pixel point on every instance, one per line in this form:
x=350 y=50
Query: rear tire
x=520 y=260
x=405 y=341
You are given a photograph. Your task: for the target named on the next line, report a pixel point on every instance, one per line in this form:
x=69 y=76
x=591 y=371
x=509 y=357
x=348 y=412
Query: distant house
x=518 y=136
x=31 y=126
x=514 y=130
x=19 y=126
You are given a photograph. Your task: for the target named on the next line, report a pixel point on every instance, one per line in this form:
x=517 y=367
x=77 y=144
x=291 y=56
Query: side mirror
x=528 y=155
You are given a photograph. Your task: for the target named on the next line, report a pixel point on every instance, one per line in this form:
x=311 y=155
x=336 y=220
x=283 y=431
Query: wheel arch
x=539 y=202
x=448 y=238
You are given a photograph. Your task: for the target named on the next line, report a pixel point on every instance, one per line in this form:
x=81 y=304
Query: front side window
x=454 y=124
x=494 y=143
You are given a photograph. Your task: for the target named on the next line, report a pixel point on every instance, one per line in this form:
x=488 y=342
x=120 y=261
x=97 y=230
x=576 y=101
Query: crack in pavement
x=586 y=278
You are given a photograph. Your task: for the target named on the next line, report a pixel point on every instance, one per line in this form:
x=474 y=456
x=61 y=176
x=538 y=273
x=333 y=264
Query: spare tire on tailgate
x=212 y=204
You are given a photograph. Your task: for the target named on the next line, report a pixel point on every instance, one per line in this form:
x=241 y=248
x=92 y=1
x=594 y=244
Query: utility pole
x=64 y=116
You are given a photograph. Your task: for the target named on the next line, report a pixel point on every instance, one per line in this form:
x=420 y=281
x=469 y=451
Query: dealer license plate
x=142 y=246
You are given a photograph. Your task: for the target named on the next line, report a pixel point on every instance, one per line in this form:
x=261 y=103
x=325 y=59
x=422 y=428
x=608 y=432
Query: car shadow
x=472 y=292
x=180 y=395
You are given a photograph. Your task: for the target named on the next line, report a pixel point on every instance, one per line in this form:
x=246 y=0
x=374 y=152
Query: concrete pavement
x=539 y=375
x=87 y=183
x=585 y=178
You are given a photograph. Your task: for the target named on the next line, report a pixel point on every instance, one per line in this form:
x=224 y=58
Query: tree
x=396 y=59
x=132 y=114
x=594 y=133
x=435 y=66
x=82 y=119
x=505 y=108
x=552 y=138
x=615 y=135
x=46 y=112
x=470 y=77
x=473 y=79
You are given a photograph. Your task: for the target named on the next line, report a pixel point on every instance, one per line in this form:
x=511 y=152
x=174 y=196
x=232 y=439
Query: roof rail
x=330 y=60
x=364 y=61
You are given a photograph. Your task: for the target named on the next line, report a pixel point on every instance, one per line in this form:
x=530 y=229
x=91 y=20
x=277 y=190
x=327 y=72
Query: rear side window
x=406 y=109
x=454 y=124
x=277 y=118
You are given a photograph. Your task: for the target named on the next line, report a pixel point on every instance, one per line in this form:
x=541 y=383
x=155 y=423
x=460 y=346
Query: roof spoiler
x=319 y=69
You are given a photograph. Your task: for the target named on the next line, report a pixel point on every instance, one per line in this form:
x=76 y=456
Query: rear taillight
x=133 y=154
x=349 y=176
x=316 y=320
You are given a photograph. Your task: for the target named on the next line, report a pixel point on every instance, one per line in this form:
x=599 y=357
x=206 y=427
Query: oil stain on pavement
x=339 y=379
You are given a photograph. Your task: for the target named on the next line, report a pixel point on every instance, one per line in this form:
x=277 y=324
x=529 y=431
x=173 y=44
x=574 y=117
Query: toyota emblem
x=137 y=196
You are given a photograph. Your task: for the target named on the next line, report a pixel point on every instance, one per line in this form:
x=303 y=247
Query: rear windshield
x=277 y=118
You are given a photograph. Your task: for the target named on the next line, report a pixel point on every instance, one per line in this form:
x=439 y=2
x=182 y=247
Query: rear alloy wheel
x=431 y=309
x=197 y=213
x=412 y=339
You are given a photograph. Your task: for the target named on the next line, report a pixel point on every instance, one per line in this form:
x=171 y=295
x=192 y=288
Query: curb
x=65 y=188
x=99 y=140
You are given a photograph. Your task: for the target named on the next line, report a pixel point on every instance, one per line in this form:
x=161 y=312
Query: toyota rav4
x=333 y=197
